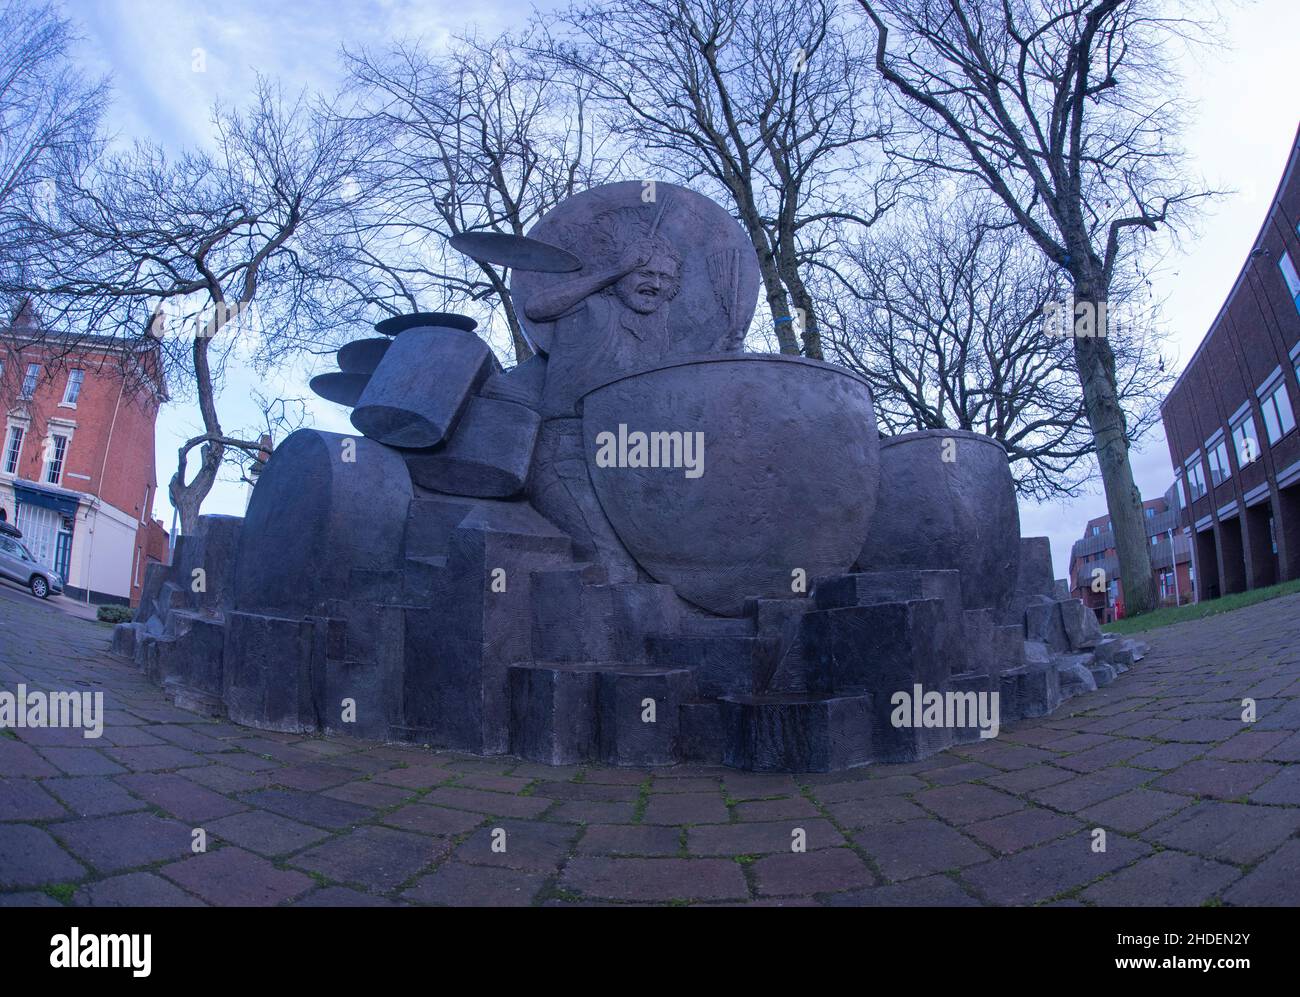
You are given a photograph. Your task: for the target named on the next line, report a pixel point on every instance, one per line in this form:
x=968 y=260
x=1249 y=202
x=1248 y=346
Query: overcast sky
x=1247 y=110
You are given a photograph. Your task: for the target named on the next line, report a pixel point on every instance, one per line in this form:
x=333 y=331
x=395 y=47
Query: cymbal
x=343 y=387
x=416 y=320
x=515 y=251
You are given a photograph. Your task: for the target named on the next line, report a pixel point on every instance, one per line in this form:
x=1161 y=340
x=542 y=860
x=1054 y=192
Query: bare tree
x=1066 y=111
x=49 y=125
x=948 y=315
x=208 y=256
x=770 y=101
x=479 y=138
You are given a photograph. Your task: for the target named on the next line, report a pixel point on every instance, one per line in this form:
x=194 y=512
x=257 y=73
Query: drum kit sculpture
x=747 y=573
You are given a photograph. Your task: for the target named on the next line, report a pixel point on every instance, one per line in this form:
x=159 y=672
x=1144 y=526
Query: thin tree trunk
x=1096 y=366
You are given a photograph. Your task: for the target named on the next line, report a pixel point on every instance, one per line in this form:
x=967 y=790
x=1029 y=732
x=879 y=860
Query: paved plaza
x=1198 y=807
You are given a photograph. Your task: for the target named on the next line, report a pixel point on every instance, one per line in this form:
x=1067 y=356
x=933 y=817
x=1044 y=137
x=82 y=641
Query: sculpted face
x=646 y=288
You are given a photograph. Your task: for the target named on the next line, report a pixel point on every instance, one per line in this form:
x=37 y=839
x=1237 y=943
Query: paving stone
x=1166 y=879
x=224 y=779
x=759 y=785
x=134 y=889
x=309 y=807
x=965 y=803
x=313 y=777
x=1118 y=750
x=680 y=784
x=532 y=846
x=1218 y=779
x=589 y=791
x=1034 y=777
x=761 y=837
x=652 y=840
x=415 y=777
x=264 y=833
x=492 y=804
x=1272 y=883
x=180 y=797
x=156 y=758
x=92 y=795
x=1085 y=790
x=457 y=885
x=28 y=898
x=868 y=789
x=377 y=858
x=1248 y=745
x=1231 y=832
x=494 y=783
x=930 y=891
x=341 y=896
x=1203 y=730
x=787 y=808
x=1283 y=788
x=25 y=799
x=1043 y=872
x=1285 y=751
x=370 y=794
x=1017 y=831
x=654 y=879
x=593 y=812
x=917 y=848
x=687 y=808
x=969 y=772
x=1167 y=756
x=232 y=877
x=829 y=870
x=18 y=759
x=1134 y=810
x=30 y=857
x=854 y=814
x=81 y=761
x=112 y=844
x=186 y=736
x=426 y=819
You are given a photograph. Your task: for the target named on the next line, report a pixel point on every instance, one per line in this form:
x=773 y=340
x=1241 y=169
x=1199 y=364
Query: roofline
x=1292 y=162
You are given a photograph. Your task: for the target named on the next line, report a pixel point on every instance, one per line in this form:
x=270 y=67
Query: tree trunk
x=1095 y=363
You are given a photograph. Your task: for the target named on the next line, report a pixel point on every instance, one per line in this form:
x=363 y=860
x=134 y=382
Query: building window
x=29 y=381
x=1150 y=513
x=73 y=391
x=1195 y=479
x=1278 y=417
x=1218 y=458
x=1096 y=530
x=54 y=459
x=14 y=450
x=1246 y=440
x=1291 y=277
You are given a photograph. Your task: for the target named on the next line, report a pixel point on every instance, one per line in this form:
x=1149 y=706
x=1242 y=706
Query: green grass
x=1199 y=610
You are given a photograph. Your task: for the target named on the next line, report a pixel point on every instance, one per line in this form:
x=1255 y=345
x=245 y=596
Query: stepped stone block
x=553 y=713
x=273 y=667
x=796 y=732
x=722 y=665
x=628 y=735
x=1032 y=690
x=981 y=684
x=703 y=740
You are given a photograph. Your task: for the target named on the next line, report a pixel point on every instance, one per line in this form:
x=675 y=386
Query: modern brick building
x=1171 y=560
x=1231 y=419
x=77 y=456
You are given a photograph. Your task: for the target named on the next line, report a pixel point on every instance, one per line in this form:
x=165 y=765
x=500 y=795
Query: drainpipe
x=1173 y=563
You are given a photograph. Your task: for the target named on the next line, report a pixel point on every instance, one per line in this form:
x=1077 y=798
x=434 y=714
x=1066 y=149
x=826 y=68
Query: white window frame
x=32 y=376
x=1240 y=438
x=56 y=457
x=76 y=378
x=21 y=431
x=1278 y=419
x=1216 y=457
x=1196 y=488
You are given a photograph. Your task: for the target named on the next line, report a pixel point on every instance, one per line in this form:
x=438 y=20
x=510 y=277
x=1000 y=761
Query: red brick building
x=1231 y=417
x=1094 y=561
x=77 y=469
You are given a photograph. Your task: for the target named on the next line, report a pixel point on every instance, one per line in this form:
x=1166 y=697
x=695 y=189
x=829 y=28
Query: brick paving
x=1198 y=806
